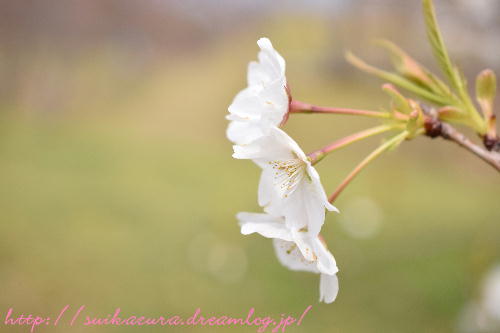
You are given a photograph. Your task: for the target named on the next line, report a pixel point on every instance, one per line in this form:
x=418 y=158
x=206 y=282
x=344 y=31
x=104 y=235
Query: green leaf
x=396 y=79
x=405 y=64
x=486 y=85
x=438 y=47
x=442 y=88
x=486 y=89
x=455 y=77
x=453 y=115
x=416 y=72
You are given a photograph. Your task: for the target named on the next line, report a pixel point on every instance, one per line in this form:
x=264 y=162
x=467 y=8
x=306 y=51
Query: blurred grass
x=125 y=195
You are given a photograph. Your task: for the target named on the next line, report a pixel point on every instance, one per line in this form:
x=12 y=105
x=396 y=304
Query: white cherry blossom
x=263 y=104
x=289 y=185
x=290 y=257
x=296 y=250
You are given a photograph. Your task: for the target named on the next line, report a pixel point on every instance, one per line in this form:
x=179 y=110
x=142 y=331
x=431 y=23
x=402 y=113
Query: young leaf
x=486 y=88
x=414 y=71
x=396 y=79
x=455 y=77
x=437 y=44
x=405 y=64
x=453 y=115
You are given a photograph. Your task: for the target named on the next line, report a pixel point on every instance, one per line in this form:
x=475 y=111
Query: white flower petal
x=294 y=209
x=286 y=141
x=325 y=259
x=245 y=104
x=310 y=251
x=328 y=288
x=265 y=149
x=271 y=65
x=246 y=151
x=264 y=103
x=290 y=256
x=319 y=188
x=243 y=132
x=257 y=75
x=305 y=244
x=265 y=190
x=274 y=99
x=263 y=224
x=269 y=56
x=265 y=44
x=314 y=209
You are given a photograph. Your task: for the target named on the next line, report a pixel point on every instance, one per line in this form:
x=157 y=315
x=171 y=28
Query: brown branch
x=435 y=128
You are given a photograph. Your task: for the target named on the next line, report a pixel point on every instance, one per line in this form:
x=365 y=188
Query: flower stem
x=319 y=154
x=373 y=155
x=301 y=107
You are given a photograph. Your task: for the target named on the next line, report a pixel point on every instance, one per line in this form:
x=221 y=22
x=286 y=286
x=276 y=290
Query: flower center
x=288 y=174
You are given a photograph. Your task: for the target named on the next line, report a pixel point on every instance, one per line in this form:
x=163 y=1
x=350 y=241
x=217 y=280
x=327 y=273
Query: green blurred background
x=118 y=188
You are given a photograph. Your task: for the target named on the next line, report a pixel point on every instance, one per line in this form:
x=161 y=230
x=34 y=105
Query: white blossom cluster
x=290 y=191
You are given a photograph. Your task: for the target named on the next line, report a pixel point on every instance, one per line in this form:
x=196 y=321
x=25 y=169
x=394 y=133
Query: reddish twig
x=435 y=128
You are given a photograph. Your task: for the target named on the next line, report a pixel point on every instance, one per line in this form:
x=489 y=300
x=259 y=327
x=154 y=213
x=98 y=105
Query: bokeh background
x=118 y=188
